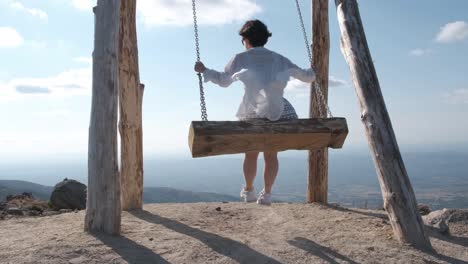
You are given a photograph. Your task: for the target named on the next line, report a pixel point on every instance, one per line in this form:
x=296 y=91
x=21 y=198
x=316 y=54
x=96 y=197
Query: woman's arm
x=223 y=79
x=305 y=75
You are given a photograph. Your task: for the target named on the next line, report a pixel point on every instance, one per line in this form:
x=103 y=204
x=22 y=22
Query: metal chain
x=204 y=114
x=315 y=85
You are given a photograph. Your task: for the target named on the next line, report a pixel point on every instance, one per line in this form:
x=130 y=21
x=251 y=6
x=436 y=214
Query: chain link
x=204 y=114
x=315 y=85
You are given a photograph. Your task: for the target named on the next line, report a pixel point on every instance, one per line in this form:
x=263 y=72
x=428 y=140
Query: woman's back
x=264 y=65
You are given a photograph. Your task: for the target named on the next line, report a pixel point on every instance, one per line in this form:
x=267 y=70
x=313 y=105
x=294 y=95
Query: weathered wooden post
x=103 y=211
x=317 y=184
x=131 y=98
x=398 y=195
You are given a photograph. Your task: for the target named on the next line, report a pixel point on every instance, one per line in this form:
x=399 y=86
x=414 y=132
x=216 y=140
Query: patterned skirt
x=289 y=113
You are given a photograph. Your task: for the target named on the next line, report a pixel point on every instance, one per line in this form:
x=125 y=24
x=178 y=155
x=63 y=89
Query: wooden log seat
x=210 y=138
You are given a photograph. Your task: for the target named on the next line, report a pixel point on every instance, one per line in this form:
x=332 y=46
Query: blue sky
x=420 y=50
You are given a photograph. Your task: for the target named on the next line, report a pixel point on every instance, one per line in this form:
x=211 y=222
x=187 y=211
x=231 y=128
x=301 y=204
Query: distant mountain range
x=150 y=194
x=8 y=187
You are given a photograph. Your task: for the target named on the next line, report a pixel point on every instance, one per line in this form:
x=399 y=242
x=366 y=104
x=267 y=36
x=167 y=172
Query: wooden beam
x=317 y=180
x=399 y=199
x=208 y=138
x=131 y=98
x=103 y=211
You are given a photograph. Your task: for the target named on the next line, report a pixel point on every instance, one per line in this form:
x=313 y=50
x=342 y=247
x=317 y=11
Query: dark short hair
x=256 y=32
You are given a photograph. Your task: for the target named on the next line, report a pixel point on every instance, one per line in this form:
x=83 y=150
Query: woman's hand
x=199 y=67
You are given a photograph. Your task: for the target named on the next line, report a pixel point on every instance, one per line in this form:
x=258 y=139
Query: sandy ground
x=238 y=233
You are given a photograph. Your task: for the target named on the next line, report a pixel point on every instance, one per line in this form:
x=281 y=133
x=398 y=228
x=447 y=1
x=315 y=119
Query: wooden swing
x=210 y=138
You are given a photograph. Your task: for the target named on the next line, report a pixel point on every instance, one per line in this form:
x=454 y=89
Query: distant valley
x=150 y=194
x=439 y=178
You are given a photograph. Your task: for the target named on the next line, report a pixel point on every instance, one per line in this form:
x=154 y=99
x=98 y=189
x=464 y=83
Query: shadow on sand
x=230 y=248
x=431 y=231
x=325 y=253
x=129 y=250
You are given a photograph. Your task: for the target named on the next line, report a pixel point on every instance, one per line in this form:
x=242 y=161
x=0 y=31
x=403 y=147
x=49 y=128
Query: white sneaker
x=248 y=196
x=264 y=198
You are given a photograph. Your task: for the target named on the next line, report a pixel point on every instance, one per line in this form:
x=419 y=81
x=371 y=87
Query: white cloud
x=452 y=32
x=459 y=96
x=297 y=85
x=28 y=89
x=335 y=82
x=34 y=44
x=32 y=11
x=10 y=38
x=420 y=52
x=86 y=60
x=210 y=12
x=84 y=5
x=179 y=12
x=67 y=83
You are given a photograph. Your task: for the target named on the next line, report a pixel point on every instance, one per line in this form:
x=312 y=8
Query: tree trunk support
x=317 y=180
x=131 y=99
x=103 y=208
x=399 y=199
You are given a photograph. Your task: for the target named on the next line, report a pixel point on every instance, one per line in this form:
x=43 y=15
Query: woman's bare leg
x=271 y=169
x=250 y=169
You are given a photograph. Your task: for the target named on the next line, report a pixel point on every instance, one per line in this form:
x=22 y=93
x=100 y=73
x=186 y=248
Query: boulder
x=69 y=194
x=424 y=209
x=14 y=211
x=437 y=216
x=441 y=219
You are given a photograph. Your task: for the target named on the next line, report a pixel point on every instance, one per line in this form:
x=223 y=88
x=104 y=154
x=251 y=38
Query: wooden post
x=103 y=211
x=399 y=199
x=317 y=184
x=131 y=97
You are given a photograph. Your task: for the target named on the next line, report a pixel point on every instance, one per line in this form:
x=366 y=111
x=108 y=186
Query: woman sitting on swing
x=265 y=74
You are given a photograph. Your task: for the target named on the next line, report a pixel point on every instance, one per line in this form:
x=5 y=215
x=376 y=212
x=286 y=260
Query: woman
x=265 y=74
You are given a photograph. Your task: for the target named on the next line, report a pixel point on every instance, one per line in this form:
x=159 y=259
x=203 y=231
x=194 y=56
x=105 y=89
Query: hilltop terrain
x=226 y=233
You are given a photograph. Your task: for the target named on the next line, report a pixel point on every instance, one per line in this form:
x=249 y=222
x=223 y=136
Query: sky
x=420 y=51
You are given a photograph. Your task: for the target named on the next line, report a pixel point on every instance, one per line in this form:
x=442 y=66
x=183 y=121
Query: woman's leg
x=250 y=169
x=271 y=169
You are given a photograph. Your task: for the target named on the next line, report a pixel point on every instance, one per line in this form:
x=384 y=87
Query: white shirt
x=265 y=74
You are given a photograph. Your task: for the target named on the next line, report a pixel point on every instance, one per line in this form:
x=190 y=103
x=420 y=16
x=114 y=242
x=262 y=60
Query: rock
x=424 y=209
x=442 y=227
x=37 y=207
x=459 y=216
x=218 y=209
x=14 y=211
x=69 y=194
x=50 y=213
x=64 y=211
x=437 y=216
x=33 y=213
x=439 y=220
x=23 y=196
